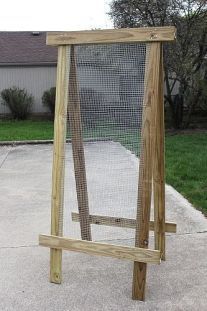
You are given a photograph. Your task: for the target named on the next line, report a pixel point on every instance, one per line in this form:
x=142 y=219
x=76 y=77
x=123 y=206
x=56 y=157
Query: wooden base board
x=120 y=222
x=103 y=249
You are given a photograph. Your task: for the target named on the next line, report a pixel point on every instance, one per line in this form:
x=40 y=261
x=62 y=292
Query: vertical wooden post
x=146 y=166
x=78 y=150
x=58 y=170
x=159 y=168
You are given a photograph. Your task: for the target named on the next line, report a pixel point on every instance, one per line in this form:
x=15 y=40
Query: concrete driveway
x=89 y=283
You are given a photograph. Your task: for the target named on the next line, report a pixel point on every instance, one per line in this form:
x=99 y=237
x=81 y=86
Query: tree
x=184 y=61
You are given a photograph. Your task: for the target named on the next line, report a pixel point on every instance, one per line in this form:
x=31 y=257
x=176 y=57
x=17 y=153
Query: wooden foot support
x=121 y=222
x=95 y=248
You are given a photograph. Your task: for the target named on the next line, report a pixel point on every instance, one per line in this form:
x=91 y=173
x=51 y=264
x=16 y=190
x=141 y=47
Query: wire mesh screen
x=106 y=92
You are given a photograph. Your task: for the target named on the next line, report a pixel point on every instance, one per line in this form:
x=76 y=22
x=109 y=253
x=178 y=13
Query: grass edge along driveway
x=186 y=154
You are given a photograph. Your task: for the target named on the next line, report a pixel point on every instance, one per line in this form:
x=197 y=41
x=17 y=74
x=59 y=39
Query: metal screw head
x=153 y=36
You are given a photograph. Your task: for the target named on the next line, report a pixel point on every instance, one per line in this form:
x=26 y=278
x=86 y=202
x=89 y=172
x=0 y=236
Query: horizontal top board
x=146 y=34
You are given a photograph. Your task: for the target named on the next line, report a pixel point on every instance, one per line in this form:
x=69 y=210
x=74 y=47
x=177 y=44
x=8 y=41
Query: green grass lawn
x=186 y=155
x=186 y=167
x=25 y=130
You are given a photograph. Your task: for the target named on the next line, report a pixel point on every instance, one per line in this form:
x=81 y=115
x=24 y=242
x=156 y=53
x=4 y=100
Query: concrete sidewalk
x=89 y=283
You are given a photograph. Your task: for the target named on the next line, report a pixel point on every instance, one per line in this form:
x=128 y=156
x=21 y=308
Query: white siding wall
x=34 y=79
x=38 y=79
x=100 y=81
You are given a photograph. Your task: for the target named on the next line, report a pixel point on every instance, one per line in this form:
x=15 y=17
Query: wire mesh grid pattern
x=106 y=83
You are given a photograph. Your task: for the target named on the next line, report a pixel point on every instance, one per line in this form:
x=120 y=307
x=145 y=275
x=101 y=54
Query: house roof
x=26 y=48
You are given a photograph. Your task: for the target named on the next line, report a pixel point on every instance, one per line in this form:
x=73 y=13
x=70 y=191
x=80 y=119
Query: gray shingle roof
x=26 y=48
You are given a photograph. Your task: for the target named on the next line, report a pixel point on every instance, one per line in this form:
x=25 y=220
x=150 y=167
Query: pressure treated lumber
x=58 y=160
x=95 y=248
x=112 y=36
x=151 y=173
x=78 y=150
x=120 y=222
x=159 y=166
x=145 y=166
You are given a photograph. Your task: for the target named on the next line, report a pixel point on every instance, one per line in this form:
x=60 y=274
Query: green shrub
x=18 y=101
x=48 y=99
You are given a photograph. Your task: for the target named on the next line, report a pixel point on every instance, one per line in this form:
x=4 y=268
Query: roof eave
x=40 y=64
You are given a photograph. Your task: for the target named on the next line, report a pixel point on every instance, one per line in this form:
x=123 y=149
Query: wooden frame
x=146 y=34
x=159 y=164
x=121 y=222
x=145 y=168
x=151 y=173
x=78 y=150
x=58 y=160
x=107 y=250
